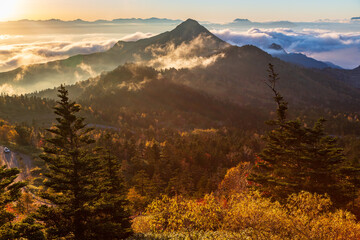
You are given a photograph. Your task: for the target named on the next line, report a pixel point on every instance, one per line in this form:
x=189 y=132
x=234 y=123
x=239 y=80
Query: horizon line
x=345 y=20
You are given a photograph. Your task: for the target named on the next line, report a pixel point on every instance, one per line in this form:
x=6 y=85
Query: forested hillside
x=180 y=136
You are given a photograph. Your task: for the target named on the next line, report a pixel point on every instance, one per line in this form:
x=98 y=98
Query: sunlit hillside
x=155 y=119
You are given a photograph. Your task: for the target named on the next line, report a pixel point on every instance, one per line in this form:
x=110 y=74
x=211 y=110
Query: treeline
x=26 y=109
x=304 y=188
x=294 y=182
x=82 y=196
x=19 y=134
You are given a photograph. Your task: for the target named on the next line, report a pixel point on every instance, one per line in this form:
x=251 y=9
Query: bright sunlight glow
x=7 y=9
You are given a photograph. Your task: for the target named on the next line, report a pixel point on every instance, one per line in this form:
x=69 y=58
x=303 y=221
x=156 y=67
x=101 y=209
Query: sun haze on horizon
x=8 y=9
x=210 y=10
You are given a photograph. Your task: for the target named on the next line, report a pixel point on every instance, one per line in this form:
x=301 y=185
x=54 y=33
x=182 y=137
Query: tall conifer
x=297 y=157
x=84 y=188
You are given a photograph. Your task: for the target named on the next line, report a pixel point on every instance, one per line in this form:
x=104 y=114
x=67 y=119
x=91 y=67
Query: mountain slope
x=80 y=67
x=350 y=77
x=134 y=94
x=240 y=74
x=197 y=59
x=299 y=59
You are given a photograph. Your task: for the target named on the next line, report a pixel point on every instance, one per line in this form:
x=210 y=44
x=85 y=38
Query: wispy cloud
x=136 y=36
x=186 y=55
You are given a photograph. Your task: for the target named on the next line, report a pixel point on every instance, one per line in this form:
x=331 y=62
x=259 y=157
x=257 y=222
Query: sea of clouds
x=16 y=51
x=340 y=48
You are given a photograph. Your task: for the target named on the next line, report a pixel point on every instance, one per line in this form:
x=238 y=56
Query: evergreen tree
x=77 y=187
x=112 y=216
x=141 y=182
x=10 y=192
x=29 y=229
x=69 y=176
x=298 y=158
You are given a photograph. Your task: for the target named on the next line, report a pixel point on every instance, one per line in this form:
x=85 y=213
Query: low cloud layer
x=15 y=55
x=312 y=42
x=16 y=50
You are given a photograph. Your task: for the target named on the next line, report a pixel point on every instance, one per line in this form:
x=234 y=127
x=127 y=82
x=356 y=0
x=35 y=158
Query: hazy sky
x=209 y=10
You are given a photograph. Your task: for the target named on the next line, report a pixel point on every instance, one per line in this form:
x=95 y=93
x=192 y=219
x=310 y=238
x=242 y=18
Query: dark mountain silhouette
x=118 y=20
x=350 y=77
x=239 y=22
x=298 y=58
x=236 y=74
x=81 y=67
x=237 y=78
x=276 y=47
x=135 y=89
x=242 y=20
x=240 y=74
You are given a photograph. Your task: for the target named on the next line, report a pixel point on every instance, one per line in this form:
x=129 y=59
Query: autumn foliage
x=303 y=216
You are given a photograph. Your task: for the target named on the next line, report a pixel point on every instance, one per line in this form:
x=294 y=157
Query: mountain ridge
x=298 y=58
x=205 y=63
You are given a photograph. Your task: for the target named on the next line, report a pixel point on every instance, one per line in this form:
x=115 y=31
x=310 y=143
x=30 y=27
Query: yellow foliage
x=235 y=180
x=179 y=214
x=136 y=200
x=310 y=215
x=252 y=212
x=7 y=132
x=141 y=224
x=207 y=131
x=304 y=216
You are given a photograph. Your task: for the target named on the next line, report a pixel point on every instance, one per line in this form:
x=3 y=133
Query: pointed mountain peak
x=189 y=30
x=189 y=23
x=190 y=27
x=186 y=32
x=275 y=46
x=275 y=49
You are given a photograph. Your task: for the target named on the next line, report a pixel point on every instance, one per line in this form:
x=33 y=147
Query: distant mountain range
x=247 y=22
x=100 y=21
x=152 y=20
x=298 y=58
x=196 y=60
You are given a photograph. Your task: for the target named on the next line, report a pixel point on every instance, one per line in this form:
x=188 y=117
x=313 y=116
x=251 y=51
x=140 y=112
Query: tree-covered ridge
x=181 y=179
x=27 y=109
x=142 y=96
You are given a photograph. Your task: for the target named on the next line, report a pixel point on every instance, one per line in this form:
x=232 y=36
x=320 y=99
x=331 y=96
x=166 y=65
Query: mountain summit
x=198 y=59
x=276 y=47
x=189 y=30
x=185 y=32
x=200 y=42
